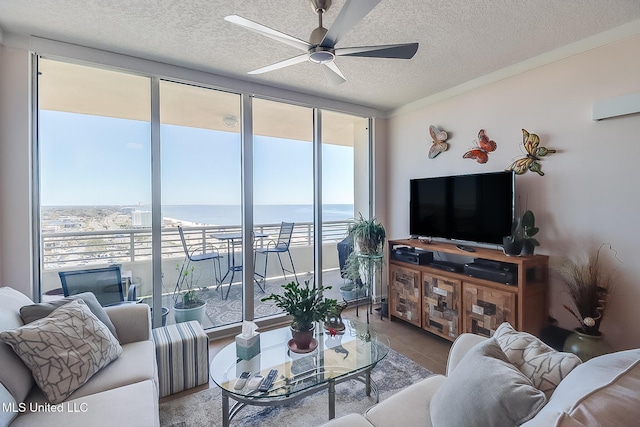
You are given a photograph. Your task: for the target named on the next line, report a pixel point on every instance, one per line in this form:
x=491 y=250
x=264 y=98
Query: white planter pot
x=188 y=314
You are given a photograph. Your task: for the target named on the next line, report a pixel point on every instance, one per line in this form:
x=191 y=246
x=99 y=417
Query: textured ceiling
x=460 y=40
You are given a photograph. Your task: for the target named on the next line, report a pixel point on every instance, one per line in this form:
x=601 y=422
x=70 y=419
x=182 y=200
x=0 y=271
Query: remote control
x=255 y=382
x=268 y=381
x=242 y=380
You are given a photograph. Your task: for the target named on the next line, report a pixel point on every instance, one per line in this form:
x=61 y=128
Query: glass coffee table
x=351 y=354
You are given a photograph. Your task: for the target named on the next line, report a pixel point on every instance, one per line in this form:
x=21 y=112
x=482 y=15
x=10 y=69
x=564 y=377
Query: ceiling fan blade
x=333 y=74
x=291 y=61
x=351 y=13
x=400 y=51
x=269 y=32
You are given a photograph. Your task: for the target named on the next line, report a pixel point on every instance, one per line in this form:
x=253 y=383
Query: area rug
x=204 y=409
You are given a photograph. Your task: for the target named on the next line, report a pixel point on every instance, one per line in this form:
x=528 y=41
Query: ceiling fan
x=321 y=46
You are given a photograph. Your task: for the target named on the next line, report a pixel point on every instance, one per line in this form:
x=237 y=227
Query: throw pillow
x=485 y=390
x=64 y=349
x=543 y=365
x=33 y=312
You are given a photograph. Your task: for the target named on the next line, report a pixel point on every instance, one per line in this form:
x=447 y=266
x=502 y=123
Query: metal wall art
x=534 y=153
x=439 y=145
x=483 y=146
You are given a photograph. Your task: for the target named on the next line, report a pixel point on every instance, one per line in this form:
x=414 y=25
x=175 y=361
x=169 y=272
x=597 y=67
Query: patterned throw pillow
x=64 y=349
x=544 y=366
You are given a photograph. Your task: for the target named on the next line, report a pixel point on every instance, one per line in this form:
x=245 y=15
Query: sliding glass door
x=201 y=195
x=282 y=197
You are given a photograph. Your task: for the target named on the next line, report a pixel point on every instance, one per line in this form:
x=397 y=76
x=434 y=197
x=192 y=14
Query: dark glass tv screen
x=473 y=208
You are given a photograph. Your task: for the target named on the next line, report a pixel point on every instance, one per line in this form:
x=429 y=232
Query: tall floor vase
x=586 y=346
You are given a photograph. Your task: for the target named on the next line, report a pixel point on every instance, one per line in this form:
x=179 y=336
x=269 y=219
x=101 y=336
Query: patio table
x=233 y=240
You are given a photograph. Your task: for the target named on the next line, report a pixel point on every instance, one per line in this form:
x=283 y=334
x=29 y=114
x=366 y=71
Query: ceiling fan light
x=321 y=55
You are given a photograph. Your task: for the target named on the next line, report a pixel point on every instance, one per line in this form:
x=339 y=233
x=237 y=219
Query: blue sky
x=93 y=160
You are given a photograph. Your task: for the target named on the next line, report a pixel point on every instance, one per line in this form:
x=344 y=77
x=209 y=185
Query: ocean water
x=262 y=214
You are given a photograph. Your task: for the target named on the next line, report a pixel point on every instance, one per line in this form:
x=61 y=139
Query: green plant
x=368 y=235
x=517 y=232
x=306 y=304
x=352 y=269
x=189 y=298
x=529 y=229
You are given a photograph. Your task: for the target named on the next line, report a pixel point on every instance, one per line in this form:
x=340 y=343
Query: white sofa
x=123 y=393
x=600 y=392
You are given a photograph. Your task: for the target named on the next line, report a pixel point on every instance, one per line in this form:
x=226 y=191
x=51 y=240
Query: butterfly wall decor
x=534 y=153
x=483 y=147
x=439 y=145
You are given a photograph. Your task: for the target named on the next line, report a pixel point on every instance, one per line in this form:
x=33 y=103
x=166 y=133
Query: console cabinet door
x=404 y=292
x=441 y=304
x=486 y=308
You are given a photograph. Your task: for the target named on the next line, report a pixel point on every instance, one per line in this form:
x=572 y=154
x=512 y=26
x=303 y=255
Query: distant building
x=141 y=219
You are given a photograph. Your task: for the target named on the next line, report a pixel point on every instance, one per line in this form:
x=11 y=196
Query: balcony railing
x=62 y=250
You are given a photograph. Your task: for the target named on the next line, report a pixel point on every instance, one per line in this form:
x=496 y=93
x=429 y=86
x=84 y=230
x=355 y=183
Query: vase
x=586 y=346
x=301 y=340
x=189 y=314
x=511 y=248
x=165 y=313
x=528 y=247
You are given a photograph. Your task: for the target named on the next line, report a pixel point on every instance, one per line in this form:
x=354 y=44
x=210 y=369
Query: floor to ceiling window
x=345 y=187
x=95 y=173
x=95 y=151
x=201 y=193
x=282 y=197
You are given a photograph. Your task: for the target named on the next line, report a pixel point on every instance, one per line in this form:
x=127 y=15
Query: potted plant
x=529 y=229
x=521 y=240
x=187 y=305
x=306 y=305
x=589 y=287
x=334 y=321
x=351 y=271
x=368 y=235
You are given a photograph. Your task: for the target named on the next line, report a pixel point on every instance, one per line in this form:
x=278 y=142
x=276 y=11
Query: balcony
x=131 y=248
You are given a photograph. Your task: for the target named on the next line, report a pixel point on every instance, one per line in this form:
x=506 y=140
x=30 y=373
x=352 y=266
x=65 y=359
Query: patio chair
x=105 y=283
x=196 y=253
x=277 y=246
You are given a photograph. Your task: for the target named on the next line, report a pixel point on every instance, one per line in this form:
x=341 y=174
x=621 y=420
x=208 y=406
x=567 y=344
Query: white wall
x=589 y=194
x=15 y=187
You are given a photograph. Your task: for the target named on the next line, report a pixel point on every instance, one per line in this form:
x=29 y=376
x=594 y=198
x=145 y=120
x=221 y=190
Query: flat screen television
x=471 y=208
